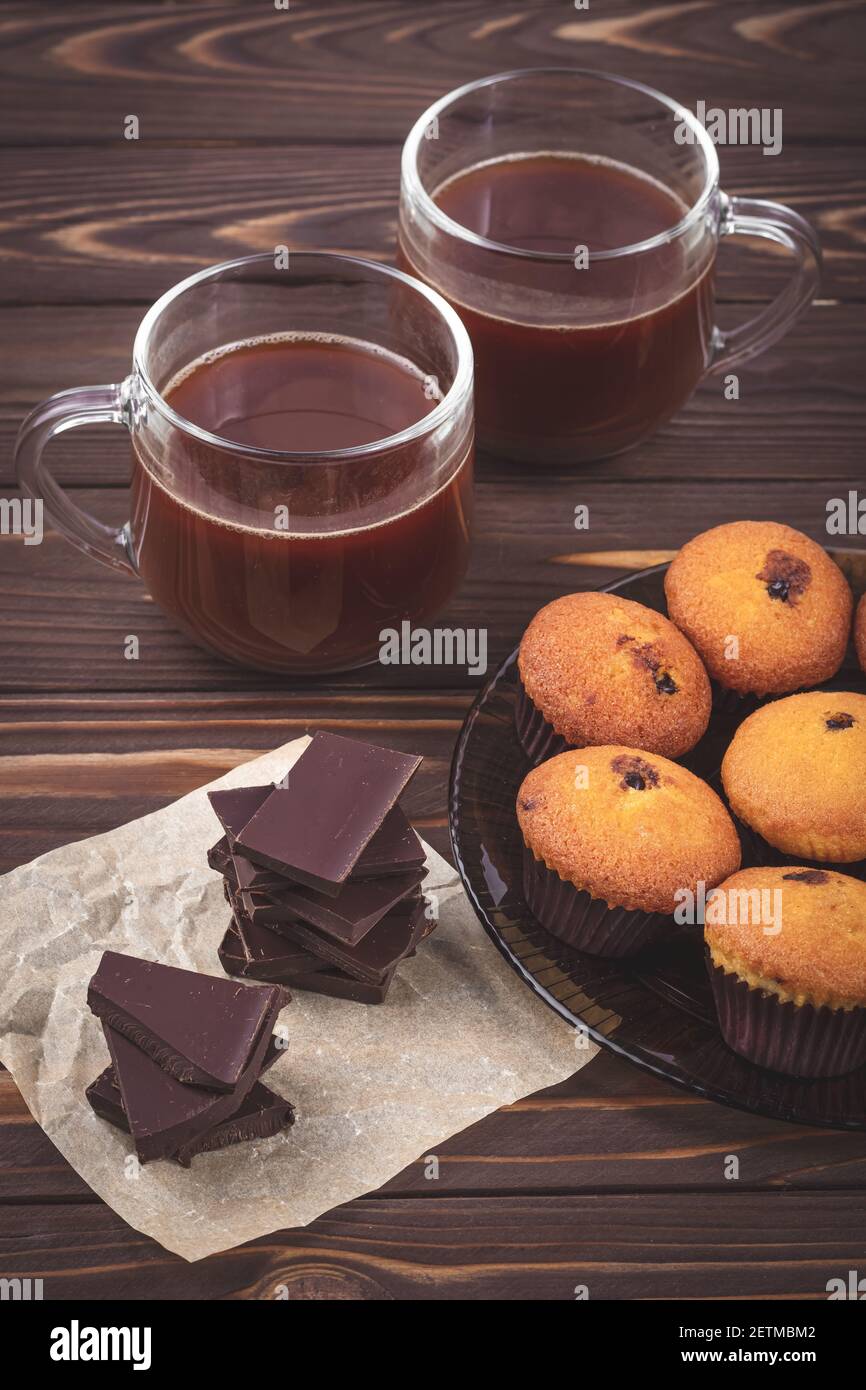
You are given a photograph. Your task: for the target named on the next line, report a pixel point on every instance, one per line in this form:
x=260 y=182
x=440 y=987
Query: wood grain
x=365 y=71
x=126 y=222
x=620 y=1246
x=800 y=414
x=609 y=1129
x=67 y=617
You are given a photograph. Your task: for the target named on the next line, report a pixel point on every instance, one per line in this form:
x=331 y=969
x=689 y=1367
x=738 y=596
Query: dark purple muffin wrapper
x=761 y=851
x=797 y=1039
x=727 y=701
x=586 y=923
x=538 y=738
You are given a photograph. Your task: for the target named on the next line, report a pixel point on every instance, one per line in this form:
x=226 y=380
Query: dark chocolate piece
x=105 y=1090
x=237 y=805
x=104 y=1097
x=322 y=979
x=201 y=1029
x=219 y=856
x=394 y=849
x=338 y=794
x=163 y=1113
x=229 y=955
x=265 y=955
x=337 y=985
x=347 y=918
x=259 y=1116
x=253 y=878
x=378 y=952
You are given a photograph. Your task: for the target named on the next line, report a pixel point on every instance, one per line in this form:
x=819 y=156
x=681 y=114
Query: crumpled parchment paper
x=375 y=1087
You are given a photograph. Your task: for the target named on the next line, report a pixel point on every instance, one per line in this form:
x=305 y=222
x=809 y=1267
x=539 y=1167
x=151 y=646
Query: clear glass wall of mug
x=572 y=219
x=302 y=440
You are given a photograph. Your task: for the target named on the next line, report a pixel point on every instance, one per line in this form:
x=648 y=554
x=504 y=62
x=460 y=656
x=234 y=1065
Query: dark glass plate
x=655 y=1009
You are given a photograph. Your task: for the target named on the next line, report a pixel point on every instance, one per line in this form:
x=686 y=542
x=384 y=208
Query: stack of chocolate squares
x=187 y=1051
x=323 y=872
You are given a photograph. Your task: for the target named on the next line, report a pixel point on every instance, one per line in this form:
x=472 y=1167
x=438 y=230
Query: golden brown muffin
x=787 y=961
x=766 y=607
x=795 y=772
x=626 y=826
x=860 y=632
x=600 y=669
x=809 y=948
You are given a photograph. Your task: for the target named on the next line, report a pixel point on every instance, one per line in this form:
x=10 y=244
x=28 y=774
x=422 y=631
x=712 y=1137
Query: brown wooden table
x=258 y=127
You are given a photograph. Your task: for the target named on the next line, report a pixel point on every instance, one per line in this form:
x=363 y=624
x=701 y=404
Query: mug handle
x=759 y=217
x=83 y=405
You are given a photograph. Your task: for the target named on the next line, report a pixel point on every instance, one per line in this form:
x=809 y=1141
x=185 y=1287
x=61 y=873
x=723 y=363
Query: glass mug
x=581 y=351
x=284 y=560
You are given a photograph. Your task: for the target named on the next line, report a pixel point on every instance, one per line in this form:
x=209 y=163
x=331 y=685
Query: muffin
x=788 y=973
x=613 y=836
x=599 y=669
x=860 y=632
x=795 y=772
x=766 y=607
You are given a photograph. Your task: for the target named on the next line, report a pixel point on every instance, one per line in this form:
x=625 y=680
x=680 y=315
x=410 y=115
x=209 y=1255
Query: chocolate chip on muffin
x=786 y=577
x=599 y=669
x=791 y=995
x=795 y=772
x=766 y=608
x=613 y=837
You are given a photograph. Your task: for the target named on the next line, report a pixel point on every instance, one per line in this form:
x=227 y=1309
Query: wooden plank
x=620 y=1246
x=64 y=779
x=801 y=411
x=364 y=71
x=609 y=1129
x=126 y=222
x=70 y=768
x=67 y=617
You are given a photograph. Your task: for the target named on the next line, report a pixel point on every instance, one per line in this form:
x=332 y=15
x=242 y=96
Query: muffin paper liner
x=797 y=1039
x=727 y=701
x=584 y=922
x=538 y=739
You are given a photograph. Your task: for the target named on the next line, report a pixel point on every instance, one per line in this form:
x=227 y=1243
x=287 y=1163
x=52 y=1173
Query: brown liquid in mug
x=577 y=391
x=298 y=597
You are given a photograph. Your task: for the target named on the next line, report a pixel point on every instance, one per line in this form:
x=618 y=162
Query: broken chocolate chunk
x=636 y=773
x=808 y=876
x=665 y=684
x=165 y=1114
x=787 y=578
x=315 y=829
x=259 y=1116
x=647 y=658
x=348 y=917
x=375 y=955
x=202 y=1029
x=840 y=721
